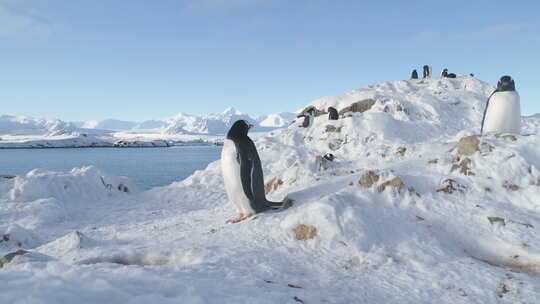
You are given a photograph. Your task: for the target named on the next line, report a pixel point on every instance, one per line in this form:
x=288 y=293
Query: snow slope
x=404 y=215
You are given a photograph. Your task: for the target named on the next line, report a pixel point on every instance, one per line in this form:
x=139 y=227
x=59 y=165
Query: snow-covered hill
x=416 y=208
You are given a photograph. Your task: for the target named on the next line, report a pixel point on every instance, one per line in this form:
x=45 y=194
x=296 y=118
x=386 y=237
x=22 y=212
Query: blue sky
x=138 y=59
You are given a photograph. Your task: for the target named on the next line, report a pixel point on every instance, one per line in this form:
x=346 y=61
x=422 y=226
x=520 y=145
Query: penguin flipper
x=246 y=168
x=485 y=111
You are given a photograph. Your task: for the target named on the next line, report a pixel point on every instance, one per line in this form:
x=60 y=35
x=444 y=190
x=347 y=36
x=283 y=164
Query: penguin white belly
x=230 y=169
x=503 y=114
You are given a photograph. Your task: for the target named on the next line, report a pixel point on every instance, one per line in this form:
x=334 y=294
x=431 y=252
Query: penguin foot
x=239 y=218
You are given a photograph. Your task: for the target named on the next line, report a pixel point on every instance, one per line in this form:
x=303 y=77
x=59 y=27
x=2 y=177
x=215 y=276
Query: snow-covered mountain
x=23 y=125
x=27 y=132
x=415 y=208
x=219 y=123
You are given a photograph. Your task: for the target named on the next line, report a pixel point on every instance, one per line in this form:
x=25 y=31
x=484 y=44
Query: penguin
x=444 y=73
x=332 y=113
x=502 y=113
x=427 y=72
x=242 y=173
x=414 y=74
x=308 y=115
x=451 y=75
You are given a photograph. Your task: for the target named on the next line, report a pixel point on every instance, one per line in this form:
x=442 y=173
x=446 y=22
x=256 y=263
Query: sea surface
x=146 y=167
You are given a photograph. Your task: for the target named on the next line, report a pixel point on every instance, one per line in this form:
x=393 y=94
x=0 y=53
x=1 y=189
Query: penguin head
x=506 y=83
x=239 y=129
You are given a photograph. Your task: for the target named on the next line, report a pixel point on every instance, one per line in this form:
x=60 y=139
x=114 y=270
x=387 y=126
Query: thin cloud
x=17 y=19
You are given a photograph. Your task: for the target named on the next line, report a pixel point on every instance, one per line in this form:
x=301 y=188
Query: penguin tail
x=286 y=203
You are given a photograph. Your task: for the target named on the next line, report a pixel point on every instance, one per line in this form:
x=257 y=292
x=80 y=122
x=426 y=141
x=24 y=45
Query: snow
x=401 y=216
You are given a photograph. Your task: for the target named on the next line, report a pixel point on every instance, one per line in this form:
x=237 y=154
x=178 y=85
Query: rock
x=399 y=108
x=9 y=257
x=368 y=179
x=395 y=183
x=401 y=151
x=287 y=202
x=317 y=111
x=509 y=137
x=463 y=165
x=359 y=106
x=272 y=185
x=7 y=176
x=495 y=219
x=538 y=182
x=450 y=186
x=304 y=232
x=331 y=128
x=433 y=161
x=510 y=187
x=335 y=144
x=467 y=145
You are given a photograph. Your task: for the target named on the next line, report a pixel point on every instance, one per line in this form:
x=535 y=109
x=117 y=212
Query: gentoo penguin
x=414 y=74
x=427 y=72
x=444 y=73
x=242 y=173
x=308 y=115
x=332 y=113
x=502 y=113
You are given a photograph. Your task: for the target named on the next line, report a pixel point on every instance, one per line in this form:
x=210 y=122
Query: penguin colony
x=242 y=170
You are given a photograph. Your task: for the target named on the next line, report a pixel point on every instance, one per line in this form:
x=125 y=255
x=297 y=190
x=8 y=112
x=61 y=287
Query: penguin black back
x=332 y=113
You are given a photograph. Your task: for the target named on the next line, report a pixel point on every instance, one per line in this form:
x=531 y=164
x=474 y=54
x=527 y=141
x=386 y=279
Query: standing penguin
x=242 y=173
x=502 y=113
x=427 y=71
x=332 y=113
x=414 y=74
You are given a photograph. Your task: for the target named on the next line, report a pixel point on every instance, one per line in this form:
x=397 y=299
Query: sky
x=139 y=59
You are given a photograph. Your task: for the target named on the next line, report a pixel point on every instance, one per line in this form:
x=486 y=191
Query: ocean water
x=147 y=167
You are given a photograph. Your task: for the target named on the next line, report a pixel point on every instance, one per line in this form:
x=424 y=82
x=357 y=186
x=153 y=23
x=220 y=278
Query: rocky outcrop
x=368 y=179
x=358 y=107
x=272 y=185
x=395 y=183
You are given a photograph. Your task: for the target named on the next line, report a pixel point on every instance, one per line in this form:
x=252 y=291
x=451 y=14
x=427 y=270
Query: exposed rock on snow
x=395 y=183
x=368 y=179
x=467 y=145
x=304 y=232
x=358 y=107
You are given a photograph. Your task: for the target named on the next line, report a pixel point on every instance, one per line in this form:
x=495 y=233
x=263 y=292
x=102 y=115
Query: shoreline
x=111 y=146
